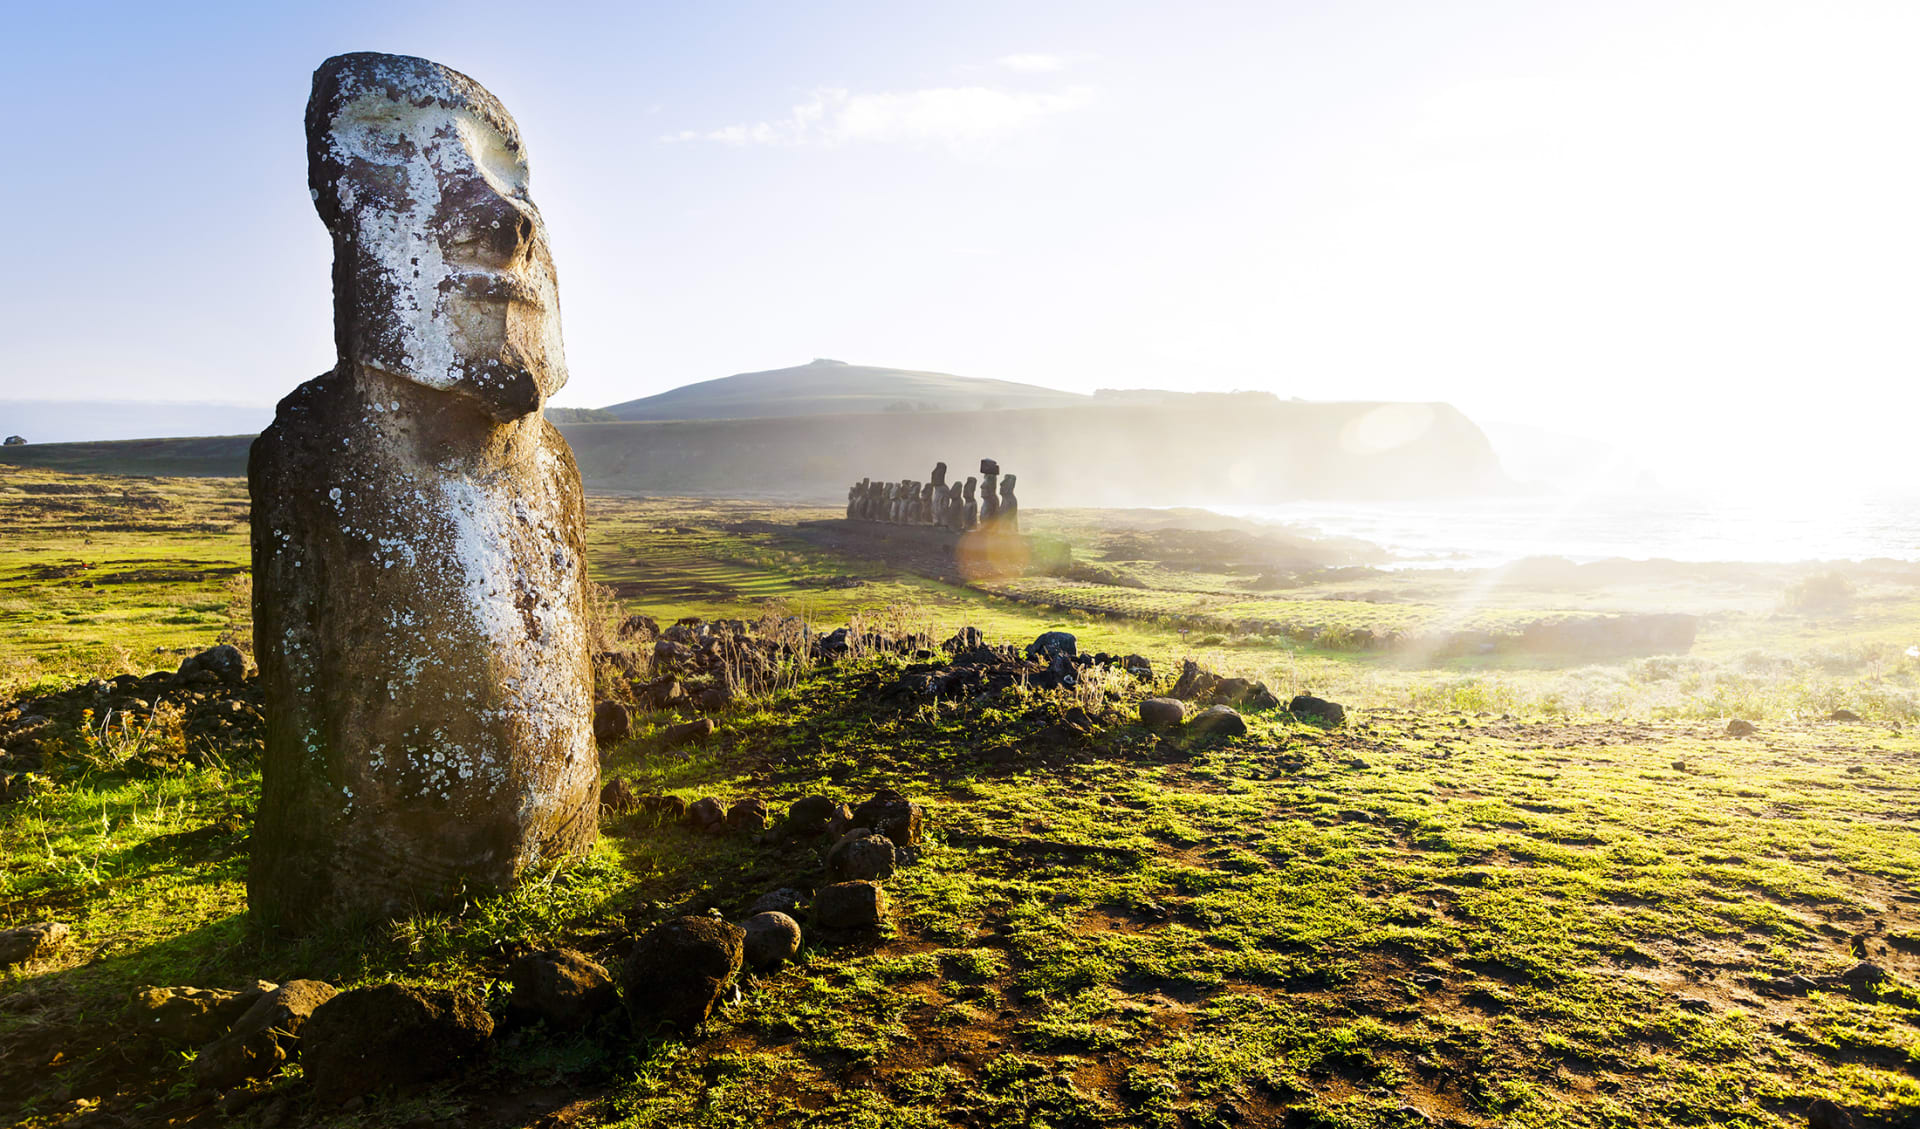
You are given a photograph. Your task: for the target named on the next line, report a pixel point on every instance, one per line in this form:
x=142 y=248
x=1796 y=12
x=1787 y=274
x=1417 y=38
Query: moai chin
x=418 y=547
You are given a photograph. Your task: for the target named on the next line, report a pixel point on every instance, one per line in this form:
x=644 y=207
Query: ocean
x=1486 y=532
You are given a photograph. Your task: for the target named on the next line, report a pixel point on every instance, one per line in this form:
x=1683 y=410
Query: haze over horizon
x=1679 y=228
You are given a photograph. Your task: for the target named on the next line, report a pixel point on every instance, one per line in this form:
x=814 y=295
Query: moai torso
x=418 y=538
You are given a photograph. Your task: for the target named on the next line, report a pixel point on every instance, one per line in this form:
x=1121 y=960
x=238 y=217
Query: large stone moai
x=971 y=519
x=853 y=498
x=1009 y=506
x=418 y=551
x=989 y=495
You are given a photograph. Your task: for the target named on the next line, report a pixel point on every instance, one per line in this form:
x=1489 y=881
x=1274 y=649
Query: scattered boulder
x=1053 y=645
x=225 y=663
x=1218 y=721
x=638 y=627
x=812 y=815
x=1825 y=1114
x=677 y=970
x=617 y=797
x=1138 y=666
x=772 y=939
x=31 y=942
x=266 y=1035
x=687 y=732
x=1862 y=975
x=1319 y=709
x=747 y=815
x=190 y=1017
x=390 y=1035
x=1158 y=712
x=1843 y=715
x=611 y=723
x=891 y=814
x=850 y=905
x=666 y=808
x=714 y=699
x=707 y=815
x=1741 y=728
x=1245 y=694
x=861 y=854
x=560 y=987
x=785 y=900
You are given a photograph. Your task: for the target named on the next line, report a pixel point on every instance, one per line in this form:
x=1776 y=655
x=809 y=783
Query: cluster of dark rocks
x=678 y=970
x=220 y=717
x=954 y=506
x=971 y=666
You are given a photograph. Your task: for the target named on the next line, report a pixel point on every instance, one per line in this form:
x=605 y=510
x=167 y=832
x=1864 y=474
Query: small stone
x=265 y=1036
x=611 y=723
x=224 y=662
x=772 y=939
x=1843 y=715
x=677 y=971
x=811 y=815
x=1741 y=728
x=190 y=1017
x=748 y=815
x=687 y=732
x=668 y=808
x=1158 y=712
x=850 y=905
x=1863 y=974
x=1319 y=709
x=1218 y=721
x=561 y=987
x=1825 y=1114
x=617 y=797
x=862 y=855
x=1051 y=645
x=370 y=1038
x=31 y=942
x=785 y=900
x=706 y=814
x=891 y=814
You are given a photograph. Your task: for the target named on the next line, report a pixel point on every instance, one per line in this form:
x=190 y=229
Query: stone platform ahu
x=936 y=502
x=418 y=539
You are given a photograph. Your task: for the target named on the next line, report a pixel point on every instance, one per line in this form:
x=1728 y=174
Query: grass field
x=1511 y=890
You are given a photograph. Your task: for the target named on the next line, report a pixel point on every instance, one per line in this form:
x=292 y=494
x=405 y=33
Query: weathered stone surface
x=1009 y=506
x=31 y=942
x=850 y=905
x=861 y=854
x=617 y=797
x=811 y=815
x=418 y=549
x=891 y=814
x=1162 y=711
x=772 y=939
x=706 y=814
x=265 y=1036
x=1740 y=727
x=785 y=900
x=563 y=988
x=1218 y=721
x=1050 y=645
x=1306 y=705
x=368 y=1039
x=190 y=1017
x=677 y=971
x=747 y=815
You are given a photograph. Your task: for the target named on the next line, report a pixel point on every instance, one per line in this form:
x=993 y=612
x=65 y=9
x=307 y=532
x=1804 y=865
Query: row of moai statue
x=938 y=502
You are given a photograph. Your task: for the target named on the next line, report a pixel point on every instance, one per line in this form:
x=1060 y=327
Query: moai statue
x=853 y=500
x=1009 y=506
x=972 y=518
x=936 y=496
x=989 y=495
x=956 y=509
x=418 y=552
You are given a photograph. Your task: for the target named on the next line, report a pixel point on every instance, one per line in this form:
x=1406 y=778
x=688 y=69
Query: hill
x=827 y=387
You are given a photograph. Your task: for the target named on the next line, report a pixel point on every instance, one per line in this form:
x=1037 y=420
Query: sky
x=1685 y=231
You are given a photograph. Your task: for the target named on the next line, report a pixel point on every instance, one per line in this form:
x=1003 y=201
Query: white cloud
x=1033 y=62
x=955 y=116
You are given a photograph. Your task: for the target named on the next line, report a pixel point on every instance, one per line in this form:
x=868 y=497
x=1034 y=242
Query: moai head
x=940 y=475
x=971 y=481
x=441 y=273
x=1006 y=487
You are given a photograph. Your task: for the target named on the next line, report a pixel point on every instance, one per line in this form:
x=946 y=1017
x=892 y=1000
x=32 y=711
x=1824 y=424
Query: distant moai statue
x=955 y=514
x=989 y=495
x=936 y=497
x=419 y=558
x=972 y=517
x=853 y=499
x=1009 y=506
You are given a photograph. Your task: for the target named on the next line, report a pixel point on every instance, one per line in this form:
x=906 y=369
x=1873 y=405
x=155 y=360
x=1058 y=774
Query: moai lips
x=418 y=538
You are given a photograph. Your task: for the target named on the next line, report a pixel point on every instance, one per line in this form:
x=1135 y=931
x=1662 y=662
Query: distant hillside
x=826 y=387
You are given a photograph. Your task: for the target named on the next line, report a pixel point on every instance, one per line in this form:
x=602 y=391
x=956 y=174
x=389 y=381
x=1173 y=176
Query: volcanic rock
x=390 y=1035
x=678 y=969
